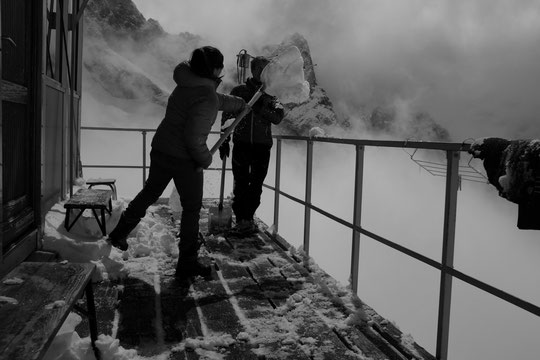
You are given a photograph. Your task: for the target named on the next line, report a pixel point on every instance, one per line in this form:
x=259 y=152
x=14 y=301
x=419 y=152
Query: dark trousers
x=189 y=184
x=249 y=165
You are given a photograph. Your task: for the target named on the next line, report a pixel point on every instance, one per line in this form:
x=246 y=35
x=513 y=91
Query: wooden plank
x=277 y=290
x=137 y=313
x=255 y=307
x=324 y=342
x=29 y=327
x=106 y=299
x=219 y=317
x=294 y=271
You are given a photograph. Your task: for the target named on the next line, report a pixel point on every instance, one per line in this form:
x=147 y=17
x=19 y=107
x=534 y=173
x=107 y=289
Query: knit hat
x=257 y=65
x=205 y=60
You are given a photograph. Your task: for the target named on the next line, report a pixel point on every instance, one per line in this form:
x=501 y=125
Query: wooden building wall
x=39 y=116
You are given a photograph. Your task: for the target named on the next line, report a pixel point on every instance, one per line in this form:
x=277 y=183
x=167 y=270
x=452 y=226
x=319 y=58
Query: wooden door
x=19 y=120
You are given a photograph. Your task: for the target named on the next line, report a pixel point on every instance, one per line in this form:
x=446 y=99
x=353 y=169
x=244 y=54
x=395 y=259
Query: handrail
x=445 y=266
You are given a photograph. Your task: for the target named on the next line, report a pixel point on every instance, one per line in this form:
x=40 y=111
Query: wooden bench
x=92 y=199
x=41 y=302
x=106 y=182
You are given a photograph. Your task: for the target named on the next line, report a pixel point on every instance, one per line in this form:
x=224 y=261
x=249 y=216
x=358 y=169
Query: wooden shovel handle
x=239 y=117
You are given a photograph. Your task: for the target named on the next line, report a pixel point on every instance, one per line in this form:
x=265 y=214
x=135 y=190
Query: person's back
x=183 y=131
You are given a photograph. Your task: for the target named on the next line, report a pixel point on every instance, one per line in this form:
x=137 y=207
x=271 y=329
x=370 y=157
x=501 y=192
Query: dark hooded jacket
x=255 y=127
x=191 y=111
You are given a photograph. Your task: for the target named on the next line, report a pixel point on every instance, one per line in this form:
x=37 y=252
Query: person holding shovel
x=252 y=139
x=179 y=152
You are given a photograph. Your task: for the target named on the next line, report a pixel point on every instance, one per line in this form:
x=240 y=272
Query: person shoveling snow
x=273 y=82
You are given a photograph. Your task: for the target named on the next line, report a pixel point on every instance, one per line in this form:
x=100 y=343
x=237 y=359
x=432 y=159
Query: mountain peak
x=121 y=17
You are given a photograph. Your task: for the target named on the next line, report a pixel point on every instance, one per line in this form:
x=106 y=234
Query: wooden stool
x=107 y=182
x=93 y=199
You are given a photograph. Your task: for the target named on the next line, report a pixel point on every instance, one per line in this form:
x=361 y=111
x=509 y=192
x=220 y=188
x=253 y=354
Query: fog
x=473 y=65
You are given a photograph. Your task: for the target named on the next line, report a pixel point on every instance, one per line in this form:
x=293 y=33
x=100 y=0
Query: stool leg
x=113 y=187
x=66 y=220
x=92 y=319
x=104 y=222
x=101 y=222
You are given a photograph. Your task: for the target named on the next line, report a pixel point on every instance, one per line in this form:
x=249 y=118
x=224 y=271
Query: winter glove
x=224 y=149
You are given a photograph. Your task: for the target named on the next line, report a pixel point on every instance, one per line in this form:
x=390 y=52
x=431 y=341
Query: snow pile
x=8 y=300
x=13 y=281
x=68 y=345
x=84 y=242
x=151 y=239
x=210 y=346
x=283 y=77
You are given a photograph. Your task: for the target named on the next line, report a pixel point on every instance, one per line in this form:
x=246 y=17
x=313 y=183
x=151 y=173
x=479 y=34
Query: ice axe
x=282 y=77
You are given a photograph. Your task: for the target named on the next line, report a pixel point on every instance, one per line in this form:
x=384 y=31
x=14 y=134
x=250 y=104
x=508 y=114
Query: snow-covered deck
x=264 y=301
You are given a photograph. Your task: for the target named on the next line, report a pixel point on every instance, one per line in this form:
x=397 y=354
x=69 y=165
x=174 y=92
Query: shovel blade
x=219 y=220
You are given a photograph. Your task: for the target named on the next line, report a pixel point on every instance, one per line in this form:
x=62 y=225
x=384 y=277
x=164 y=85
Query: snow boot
x=191 y=266
x=118 y=237
x=244 y=228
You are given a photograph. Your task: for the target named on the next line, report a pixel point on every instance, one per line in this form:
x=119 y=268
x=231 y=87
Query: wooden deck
x=261 y=303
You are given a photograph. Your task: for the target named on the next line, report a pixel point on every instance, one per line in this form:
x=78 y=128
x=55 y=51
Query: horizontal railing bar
x=380 y=239
x=115 y=128
x=115 y=166
x=522 y=304
x=128 y=129
x=135 y=167
x=426 y=260
x=525 y=305
x=384 y=143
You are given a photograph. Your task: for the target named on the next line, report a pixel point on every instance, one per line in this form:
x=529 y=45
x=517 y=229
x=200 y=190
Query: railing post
x=276 y=186
x=307 y=209
x=357 y=216
x=447 y=261
x=143 y=157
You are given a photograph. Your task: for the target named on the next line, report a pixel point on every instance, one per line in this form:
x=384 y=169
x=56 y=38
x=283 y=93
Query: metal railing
x=445 y=266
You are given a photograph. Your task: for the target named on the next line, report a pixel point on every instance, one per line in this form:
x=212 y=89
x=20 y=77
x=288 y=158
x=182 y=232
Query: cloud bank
x=473 y=65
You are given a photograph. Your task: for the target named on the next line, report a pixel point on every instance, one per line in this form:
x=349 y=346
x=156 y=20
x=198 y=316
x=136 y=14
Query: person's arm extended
x=201 y=118
x=231 y=103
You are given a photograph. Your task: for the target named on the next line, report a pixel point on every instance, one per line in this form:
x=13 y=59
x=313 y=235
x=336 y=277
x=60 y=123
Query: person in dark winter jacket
x=179 y=152
x=252 y=139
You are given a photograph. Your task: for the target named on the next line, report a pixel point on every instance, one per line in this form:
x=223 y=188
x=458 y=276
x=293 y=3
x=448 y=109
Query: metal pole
x=357 y=216
x=447 y=261
x=144 y=156
x=276 y=190
x=307 y=209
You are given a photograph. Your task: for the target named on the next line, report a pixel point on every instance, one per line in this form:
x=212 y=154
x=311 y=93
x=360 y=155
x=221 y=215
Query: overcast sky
x=473 y=64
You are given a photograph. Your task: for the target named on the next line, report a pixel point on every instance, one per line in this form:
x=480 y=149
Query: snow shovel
x=220 y=217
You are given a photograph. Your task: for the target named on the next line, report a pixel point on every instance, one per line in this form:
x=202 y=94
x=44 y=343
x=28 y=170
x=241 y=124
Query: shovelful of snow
x=283 y=77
